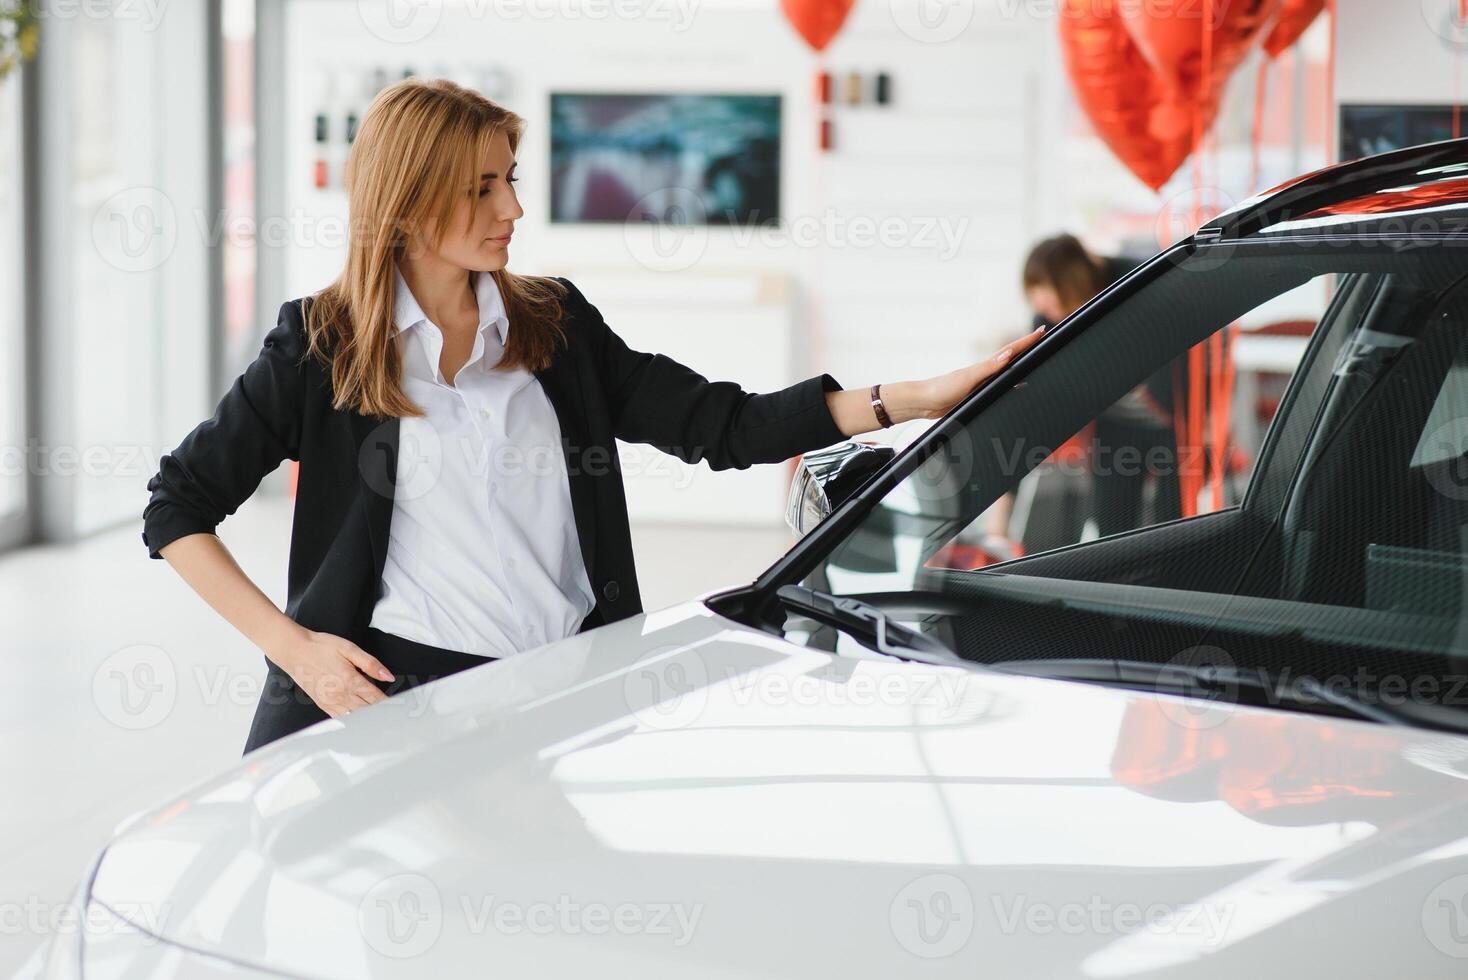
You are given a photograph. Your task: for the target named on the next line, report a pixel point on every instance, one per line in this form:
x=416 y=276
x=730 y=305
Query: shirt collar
x=408 y=314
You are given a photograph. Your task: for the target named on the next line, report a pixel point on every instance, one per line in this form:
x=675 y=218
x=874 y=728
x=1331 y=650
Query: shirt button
x=485 y=412
x=509 y=563
x=611 y=590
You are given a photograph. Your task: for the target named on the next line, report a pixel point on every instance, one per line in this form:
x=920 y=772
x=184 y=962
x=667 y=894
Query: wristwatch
x=879 y=408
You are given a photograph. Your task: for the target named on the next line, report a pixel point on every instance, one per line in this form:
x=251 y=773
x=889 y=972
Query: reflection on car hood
x=677 y=795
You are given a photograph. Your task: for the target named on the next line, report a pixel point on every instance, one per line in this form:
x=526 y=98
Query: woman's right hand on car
x=334 y=671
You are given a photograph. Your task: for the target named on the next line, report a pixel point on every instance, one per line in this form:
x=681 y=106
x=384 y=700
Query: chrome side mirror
x=827 y=477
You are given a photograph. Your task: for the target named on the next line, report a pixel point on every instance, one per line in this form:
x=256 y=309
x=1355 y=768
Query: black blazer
x=280 y=408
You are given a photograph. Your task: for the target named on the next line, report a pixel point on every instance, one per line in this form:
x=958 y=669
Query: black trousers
x=1118 y=486
x=285 y=708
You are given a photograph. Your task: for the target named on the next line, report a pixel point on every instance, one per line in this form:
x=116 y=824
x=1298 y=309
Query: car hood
x=679 y=795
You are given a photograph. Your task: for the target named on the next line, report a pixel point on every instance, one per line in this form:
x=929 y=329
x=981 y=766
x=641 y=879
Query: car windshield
x=1253 y=459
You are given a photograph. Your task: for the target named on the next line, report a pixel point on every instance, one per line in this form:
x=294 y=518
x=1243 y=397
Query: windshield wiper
x=868 y=625
x=1200 y=680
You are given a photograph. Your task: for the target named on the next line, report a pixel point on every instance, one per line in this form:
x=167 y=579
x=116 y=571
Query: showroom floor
x=75 y=760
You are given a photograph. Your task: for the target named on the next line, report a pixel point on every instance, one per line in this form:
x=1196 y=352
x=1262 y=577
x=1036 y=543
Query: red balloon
x=1294 y=17
x=817 y=21
x=1170 y=36
x=1118 y=90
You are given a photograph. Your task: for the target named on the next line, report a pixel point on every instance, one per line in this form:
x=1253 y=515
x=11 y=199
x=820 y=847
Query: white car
x=1223 y=744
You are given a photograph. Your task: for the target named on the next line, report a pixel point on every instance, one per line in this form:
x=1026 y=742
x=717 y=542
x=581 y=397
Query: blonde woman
x=459 y=497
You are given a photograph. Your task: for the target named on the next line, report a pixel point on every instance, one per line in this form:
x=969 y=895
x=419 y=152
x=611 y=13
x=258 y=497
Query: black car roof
x=1419 y=191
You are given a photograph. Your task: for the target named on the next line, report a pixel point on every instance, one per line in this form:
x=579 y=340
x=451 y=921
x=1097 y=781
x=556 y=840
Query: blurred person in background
x=1061 y=275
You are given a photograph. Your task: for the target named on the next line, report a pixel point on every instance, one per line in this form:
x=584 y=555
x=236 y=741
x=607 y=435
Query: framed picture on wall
x=674 y=158
x=1370 y=129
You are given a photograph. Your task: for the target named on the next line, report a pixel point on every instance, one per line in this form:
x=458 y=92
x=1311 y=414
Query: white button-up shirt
x=483 y=555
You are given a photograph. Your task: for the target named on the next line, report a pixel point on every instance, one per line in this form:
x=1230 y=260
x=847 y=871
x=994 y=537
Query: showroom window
x=13 y=471
x=122 y=256
x=237 y=157
x=123 y=227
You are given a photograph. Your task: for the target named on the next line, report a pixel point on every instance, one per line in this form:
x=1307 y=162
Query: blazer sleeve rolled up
x=657 y=401
x=220 y=463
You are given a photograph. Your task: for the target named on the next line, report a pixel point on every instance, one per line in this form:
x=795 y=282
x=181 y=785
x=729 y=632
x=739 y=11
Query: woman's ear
x=417 y=240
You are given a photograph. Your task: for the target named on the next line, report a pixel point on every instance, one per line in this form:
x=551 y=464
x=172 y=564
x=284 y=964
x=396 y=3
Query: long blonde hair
x=420 y=143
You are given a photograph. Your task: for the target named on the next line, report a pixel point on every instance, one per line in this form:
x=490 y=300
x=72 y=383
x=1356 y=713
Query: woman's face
x=1046 y=302
x=483 y=245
